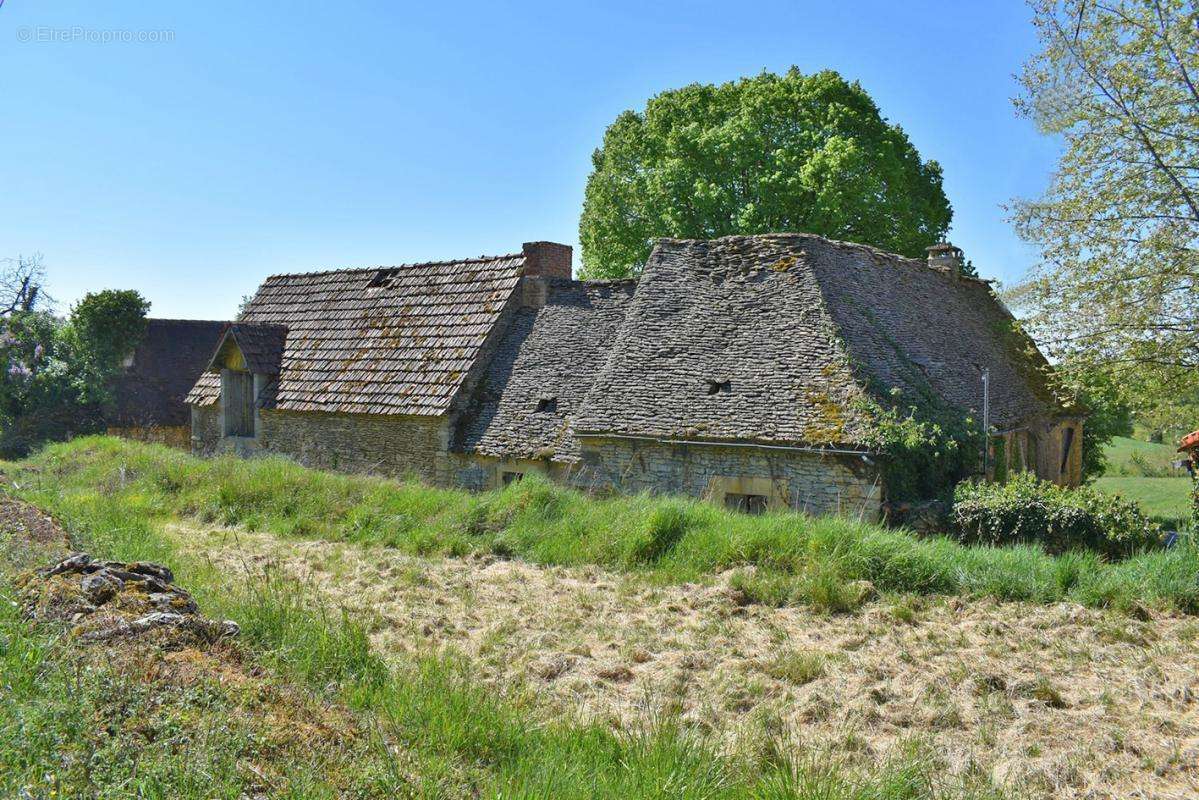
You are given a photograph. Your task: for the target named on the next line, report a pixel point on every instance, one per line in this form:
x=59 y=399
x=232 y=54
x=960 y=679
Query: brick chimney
x=944 y=257
x=548 y=259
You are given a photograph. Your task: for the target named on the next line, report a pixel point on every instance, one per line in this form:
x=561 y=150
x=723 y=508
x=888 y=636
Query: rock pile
x=108 y=601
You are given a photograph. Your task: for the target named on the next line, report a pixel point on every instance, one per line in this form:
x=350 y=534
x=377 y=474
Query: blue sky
x=256 y=138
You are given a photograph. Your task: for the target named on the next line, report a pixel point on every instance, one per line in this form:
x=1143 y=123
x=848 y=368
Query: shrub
x=1027 y=509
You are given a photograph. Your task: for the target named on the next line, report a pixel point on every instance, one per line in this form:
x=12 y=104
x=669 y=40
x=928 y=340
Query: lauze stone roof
x=727 y=340
x=775 y=338
x=772 y=339
x=548 y=358
x=171 y=355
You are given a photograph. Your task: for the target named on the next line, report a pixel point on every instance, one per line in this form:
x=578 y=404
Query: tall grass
x=780 y=557
x=439 y=733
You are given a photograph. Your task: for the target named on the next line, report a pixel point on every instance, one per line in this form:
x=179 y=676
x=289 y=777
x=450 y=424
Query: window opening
x=746 y=503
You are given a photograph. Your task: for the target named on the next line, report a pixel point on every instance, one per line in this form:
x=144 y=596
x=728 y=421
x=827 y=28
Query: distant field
x=1127 y=456
x=1166 y=499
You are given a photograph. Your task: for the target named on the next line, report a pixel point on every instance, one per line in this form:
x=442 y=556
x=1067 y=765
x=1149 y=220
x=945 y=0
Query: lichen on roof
x=799 y=325
x=396 y=340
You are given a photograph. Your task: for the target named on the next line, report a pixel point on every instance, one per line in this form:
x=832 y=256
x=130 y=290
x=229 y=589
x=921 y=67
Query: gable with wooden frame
x=248 y=360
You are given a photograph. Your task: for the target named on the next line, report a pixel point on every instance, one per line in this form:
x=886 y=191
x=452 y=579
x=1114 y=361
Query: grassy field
x=305 y=706
x=1127 y=456
x=302 y=707
x=781 y=559
x=1140 y=471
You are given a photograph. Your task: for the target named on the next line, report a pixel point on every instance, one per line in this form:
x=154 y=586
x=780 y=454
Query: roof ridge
x=795 y=235
x=238 y=323
x=192 y=321
x=406 y=265
x=607 y=281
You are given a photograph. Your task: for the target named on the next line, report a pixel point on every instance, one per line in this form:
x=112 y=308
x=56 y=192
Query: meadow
x=302 y=707
x=306 y=706
x=780 y=558
x=1142 y=471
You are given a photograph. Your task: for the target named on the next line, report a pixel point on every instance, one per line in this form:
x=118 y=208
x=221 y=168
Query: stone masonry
x=745 y=370
x=816 y=483
x=385 y=445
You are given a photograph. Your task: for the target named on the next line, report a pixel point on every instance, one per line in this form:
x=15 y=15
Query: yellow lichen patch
x=828 y=426
x=783 y=264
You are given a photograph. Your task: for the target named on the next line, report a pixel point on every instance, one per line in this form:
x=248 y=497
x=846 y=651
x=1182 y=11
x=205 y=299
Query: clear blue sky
x=268 y=136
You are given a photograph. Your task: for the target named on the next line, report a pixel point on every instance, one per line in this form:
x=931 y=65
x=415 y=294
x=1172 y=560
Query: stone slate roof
x=262 y=348
x=913 y=327
x=260 y=345
x=771 y=338
x=391 y=340
x=169 y=358
x=548 y=357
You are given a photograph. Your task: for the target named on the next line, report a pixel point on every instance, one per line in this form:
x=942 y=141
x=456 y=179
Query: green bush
x=1030 y=510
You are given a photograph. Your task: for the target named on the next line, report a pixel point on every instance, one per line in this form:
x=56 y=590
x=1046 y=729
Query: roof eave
x=844 y=448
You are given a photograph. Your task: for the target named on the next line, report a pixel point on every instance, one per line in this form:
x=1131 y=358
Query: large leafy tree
x=103 y=329
x=772 y=153
x=1118 y=227
x=55 y=373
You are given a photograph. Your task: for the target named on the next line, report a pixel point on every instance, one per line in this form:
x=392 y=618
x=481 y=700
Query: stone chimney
x=944 y=257
x=548 y=259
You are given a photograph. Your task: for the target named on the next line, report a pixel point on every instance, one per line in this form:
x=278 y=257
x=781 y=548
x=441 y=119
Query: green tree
x=54 y=373
x=1118 y=227
x=103 y=329
x=1109 y=414
x=768 y=154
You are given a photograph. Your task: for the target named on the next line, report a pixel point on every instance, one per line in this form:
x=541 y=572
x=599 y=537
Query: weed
x=1047 y=693
x=796 y=666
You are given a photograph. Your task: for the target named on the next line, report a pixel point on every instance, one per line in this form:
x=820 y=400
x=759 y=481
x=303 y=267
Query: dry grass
x=1054 y=701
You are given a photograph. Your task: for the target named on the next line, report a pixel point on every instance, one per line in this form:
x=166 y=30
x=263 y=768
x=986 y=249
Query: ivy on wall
x=1000 y=458
x=927 y=445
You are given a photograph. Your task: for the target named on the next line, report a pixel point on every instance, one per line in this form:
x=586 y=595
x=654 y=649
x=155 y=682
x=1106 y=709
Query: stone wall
x=816 y=483
x=812 y=482
x=387 y=445
x=1040 y=447
x=206 y=429
x=480 y=473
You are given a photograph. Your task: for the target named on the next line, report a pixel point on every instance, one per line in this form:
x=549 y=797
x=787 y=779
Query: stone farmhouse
x=733 y=369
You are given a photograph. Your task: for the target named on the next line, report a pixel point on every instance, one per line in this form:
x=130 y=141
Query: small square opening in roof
x=547 y=405
x=719 y=387
x=381 y=278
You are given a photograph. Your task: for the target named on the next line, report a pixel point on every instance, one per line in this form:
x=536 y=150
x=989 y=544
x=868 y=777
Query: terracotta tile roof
x=391 y=340
x=771 y=338
x=541 y=371
x=167 y=361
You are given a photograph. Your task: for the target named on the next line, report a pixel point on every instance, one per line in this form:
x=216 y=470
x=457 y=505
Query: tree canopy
x=1118 y=226
x=767 y=154
x=55 y=373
